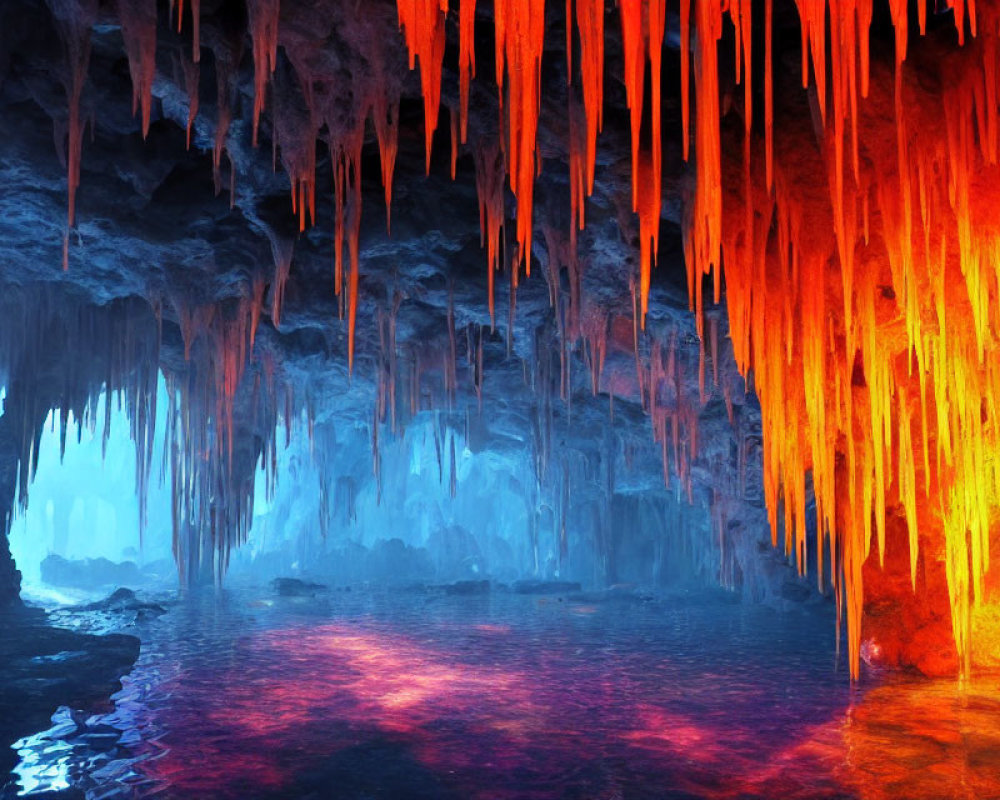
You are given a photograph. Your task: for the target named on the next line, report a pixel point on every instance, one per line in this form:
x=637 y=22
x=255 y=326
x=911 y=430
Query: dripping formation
x=857 y=258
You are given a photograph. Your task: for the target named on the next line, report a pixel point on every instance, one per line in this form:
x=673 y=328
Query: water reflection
x=508 y=697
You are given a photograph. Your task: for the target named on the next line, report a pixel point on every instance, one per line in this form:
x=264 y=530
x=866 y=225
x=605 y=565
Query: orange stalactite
x=263 y=23
x=520 y=31
x=385 y=114
x=466 y=59
x=643 y=27
x=866 y=312
x=590 y=23
x=423 y=23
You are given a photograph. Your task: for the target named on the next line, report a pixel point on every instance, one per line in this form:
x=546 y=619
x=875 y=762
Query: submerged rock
x=122 y=600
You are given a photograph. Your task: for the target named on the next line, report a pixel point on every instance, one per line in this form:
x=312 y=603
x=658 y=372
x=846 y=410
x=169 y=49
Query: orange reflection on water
x=495 y=715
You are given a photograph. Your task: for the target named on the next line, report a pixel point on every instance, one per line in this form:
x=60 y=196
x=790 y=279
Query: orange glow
x=422 y=22
x=866 y=316
x=643 y=25
x=520 y=29
x=466 y=59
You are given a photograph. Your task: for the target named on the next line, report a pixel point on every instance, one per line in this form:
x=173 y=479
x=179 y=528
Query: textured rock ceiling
x=860 y=266
x=205 y=247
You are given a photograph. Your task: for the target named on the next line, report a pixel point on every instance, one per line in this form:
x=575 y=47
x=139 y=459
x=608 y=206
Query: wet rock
x=123 y=600
x=43 y=668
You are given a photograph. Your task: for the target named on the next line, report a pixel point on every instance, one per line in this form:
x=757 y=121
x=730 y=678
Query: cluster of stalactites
x=862 y=276
x=57 y=353
x=212 y=401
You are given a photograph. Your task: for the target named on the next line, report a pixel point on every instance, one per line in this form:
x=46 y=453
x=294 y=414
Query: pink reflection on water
x=308 y=691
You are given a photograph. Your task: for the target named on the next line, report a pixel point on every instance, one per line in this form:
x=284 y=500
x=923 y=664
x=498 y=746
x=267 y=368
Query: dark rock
x=88 y=573
x=467 y=587
x=545 y=587
x=293 y=587
x=37 y=677
x=123 y=600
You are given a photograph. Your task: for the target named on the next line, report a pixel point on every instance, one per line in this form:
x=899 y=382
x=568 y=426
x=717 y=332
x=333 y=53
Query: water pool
x=241 y=695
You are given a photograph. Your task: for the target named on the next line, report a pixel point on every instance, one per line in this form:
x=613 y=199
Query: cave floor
x=417 y=694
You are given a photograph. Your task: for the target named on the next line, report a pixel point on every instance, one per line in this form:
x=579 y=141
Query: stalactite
x=281 y=249
x=643 y=25
x=263 y=24
x=138 y=18
x=74 y=20
x=489 y=188
x=520 y=30
x=466 y=60
x=423 y=23
x=898 y=418
x=192 y=77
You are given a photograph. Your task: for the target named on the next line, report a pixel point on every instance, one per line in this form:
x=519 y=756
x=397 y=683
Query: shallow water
x=406 y=695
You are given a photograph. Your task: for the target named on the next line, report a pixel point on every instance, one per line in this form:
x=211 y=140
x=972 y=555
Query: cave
x=508 y=399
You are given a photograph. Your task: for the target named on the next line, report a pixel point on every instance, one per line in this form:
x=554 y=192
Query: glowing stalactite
x=466 y=60
x=385 y=115
x=520 y=30
x=138 y=18
x=423 y=23
x=490 y=190
x=703 y=239
x=643 y=26
x=263 y=24
x=590 y=23
x=869 y=377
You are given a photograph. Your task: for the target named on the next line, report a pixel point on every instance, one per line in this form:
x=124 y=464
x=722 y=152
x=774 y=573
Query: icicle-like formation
x=520 y=33
x=422 y=22
x=138 y=18
x=590 y=23
x=643 y=25
x=489 y=187
x=263 y=23
x=74 y=20
x=860 y=293
x=281 y=248
x=466 y=60
x=192 y=76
